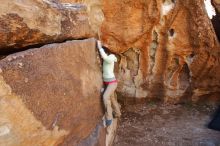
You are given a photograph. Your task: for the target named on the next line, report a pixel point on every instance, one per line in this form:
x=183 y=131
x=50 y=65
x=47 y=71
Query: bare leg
x=107 y=100
x=115 y=105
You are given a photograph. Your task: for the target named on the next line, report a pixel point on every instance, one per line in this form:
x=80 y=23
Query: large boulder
x=167 y=49
x=155 y=39
x=37 y=22
x=51 y=96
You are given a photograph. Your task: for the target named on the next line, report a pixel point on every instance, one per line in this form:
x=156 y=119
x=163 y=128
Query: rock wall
x=55 y=89
x=162 y=36
x=51 y=95
x=39 y=22
x=168 y=49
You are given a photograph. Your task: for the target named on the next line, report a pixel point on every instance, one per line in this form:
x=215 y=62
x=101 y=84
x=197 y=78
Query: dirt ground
x=155 y=124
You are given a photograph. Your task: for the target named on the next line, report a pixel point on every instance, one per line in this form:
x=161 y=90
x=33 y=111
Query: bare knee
x=106 y=99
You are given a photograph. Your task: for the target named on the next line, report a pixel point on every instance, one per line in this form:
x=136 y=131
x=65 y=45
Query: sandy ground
x=154 y=124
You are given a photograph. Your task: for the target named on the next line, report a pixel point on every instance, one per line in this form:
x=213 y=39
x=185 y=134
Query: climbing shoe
x=108 y=122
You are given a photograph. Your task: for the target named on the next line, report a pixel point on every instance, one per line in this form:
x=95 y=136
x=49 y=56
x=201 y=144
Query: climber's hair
x=107 y=50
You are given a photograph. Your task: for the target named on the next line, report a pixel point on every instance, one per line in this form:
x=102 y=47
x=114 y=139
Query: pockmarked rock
x=51 y=95
x=30 y=23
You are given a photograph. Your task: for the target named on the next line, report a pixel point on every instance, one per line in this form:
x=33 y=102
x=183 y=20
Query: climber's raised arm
x=108 y=58
x=101 y=50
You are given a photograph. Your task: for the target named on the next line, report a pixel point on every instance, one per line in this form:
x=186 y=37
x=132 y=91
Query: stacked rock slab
x=51 y=95
x=38 y=22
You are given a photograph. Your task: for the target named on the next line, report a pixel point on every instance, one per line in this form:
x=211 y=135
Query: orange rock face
x=175 y=43
x=167 y=49
x=51 y=94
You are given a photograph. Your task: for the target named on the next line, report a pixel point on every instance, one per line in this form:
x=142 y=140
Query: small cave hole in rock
x=192 y=55
x=171 y=32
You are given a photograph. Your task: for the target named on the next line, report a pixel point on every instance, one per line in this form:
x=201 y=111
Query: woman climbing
x=110 y=83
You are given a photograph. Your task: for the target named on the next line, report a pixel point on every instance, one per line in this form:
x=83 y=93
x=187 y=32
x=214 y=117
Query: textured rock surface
x=50 y=95
x=31 y=22
x=167 y=49
x=94 y=10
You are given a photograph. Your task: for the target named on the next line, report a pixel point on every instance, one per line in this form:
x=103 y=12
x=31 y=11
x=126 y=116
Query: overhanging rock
x=31 y=22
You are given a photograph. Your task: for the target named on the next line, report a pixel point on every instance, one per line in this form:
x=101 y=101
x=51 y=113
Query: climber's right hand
x=99 y=44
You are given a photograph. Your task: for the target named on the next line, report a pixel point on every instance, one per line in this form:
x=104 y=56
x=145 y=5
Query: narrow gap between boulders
x=4 y=52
